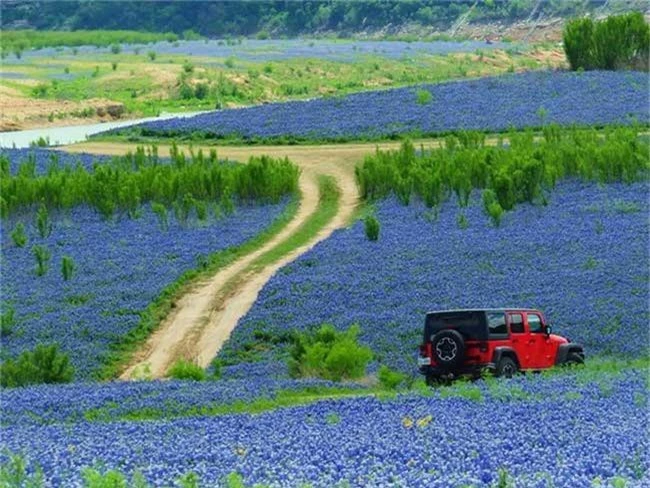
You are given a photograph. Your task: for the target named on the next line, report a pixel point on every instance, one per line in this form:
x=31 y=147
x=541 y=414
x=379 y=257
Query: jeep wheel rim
x=508 y=370
x=446 y=349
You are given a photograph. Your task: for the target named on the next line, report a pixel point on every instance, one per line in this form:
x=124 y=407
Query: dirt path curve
x=204 y=318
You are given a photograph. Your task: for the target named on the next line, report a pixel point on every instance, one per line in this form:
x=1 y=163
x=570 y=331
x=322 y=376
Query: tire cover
x=448 y=348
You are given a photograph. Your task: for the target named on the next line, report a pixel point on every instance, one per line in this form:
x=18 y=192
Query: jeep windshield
x=471 y=324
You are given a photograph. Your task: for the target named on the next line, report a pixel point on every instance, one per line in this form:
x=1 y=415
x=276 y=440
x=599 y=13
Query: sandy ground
x=204 y=318
x=18 y=112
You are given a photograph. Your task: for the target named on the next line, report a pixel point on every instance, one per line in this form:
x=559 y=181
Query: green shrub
x=67 y=267
x=185 y=91
x=45 y=364
x=15 y=472
x=201 y=91
x=371 y=226
x=115 y=48
x=186 y=370
x=152 y=55
x=161 y=212
x=617 y=42
x=217 y=365
x=114 y=65
x=112 y=479
x=229 y=62
x=390 y=379
x=424 y=97
x=327 y=353
x=18 y=235
x=188 y=67
x=7 y=321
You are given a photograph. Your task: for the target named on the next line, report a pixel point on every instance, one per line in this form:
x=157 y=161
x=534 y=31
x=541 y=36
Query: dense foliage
x=617 y=42
x=520 y=171
x=486 y=104
x=85 y=282
x=129 y=181
x=279 y=17
x=569 y=430
x=16 y=41
x=577 y=258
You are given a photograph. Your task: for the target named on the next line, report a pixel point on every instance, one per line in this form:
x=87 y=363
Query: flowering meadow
x=579 y=259
x=566 y=430
x=116 y=266
x=486 y=104
x=275 y=49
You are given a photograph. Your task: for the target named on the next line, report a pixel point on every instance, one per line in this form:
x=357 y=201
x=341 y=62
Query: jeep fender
x=564 y=350
x=502 y=351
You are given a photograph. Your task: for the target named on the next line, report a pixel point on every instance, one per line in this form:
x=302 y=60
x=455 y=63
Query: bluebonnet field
x=120 y=267
x=581 y=259
x=559 y=431
x=487 y=104
x=275 y=49
x=42 y=159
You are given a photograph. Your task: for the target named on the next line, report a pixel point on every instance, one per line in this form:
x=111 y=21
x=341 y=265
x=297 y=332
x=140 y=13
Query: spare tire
x=448 y=348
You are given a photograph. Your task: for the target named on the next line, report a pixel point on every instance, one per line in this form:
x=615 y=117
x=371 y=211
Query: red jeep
x=461 y=342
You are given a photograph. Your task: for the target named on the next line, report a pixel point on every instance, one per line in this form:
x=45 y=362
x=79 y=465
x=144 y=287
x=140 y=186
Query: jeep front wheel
x=448 y=348
x=506 y=367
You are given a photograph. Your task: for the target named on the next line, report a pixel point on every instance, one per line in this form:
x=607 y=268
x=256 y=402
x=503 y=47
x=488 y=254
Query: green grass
x=121 y=352
x=282 y=399
x=327 y=208
x=143 y=86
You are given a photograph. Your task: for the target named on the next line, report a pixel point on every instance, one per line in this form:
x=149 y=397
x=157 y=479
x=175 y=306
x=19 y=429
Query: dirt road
x=204 y=318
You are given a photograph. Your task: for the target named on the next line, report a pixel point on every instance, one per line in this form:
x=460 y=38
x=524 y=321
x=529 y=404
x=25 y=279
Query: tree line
x=281 y=18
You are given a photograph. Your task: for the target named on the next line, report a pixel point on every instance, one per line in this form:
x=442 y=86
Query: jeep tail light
x=483 y=347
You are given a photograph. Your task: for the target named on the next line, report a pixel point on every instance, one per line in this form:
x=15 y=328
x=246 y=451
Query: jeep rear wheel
x=506 y=367
x=574 y=359
x=448 y=348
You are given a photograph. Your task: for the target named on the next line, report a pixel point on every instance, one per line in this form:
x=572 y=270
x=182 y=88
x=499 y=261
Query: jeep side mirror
x=549 y=329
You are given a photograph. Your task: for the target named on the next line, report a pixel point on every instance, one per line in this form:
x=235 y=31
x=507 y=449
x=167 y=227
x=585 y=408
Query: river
x=73 y=133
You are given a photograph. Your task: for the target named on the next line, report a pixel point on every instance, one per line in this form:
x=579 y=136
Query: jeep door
x=519 y=338
x=540 y=346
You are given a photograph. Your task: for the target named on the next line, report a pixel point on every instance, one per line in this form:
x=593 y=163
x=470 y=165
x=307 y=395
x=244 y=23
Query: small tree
x=43 y=222
x=492 y=207
x=42 y=256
